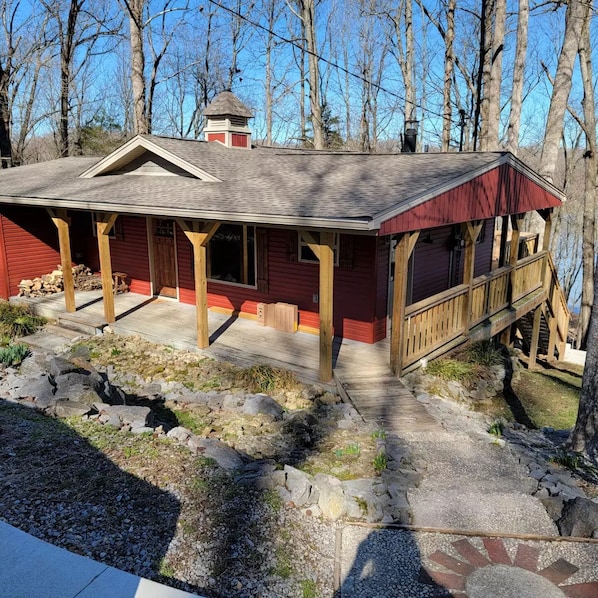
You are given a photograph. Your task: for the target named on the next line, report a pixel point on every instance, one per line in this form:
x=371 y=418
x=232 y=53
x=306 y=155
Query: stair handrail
x=557 y=303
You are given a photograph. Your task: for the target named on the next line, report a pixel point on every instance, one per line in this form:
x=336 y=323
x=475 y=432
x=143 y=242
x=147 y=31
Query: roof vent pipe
x=410 y=136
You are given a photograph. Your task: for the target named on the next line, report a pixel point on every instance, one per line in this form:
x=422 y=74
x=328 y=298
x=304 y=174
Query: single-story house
x=353 y=240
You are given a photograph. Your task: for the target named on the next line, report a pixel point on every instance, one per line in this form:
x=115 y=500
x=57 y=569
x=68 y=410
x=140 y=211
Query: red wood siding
x=437 y=266
x=239 y=140
x=382 y=265
x=129 y=250
x=29 y=248
x=501 y=191
x=129 y=253
x=297 y=282
x=217 y=137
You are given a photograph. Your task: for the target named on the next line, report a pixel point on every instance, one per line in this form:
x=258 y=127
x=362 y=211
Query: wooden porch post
x=547 y=216
x=324 y=251
x=403 y=251
x=504 y=231
x=199 y=234
x=533 y=350
x=517 y=222
x=471 y=232
x=104 y=224
x=63 y=223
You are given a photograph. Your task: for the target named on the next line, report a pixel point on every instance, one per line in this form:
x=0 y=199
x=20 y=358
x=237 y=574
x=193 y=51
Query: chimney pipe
x=410 y=136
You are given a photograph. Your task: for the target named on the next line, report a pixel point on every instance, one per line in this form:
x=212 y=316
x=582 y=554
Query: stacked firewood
x=85 y=280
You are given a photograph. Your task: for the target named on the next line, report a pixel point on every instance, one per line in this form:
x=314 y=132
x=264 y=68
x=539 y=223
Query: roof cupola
x=227 y=120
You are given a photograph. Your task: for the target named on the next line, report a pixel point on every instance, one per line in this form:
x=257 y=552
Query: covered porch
x=239 y=340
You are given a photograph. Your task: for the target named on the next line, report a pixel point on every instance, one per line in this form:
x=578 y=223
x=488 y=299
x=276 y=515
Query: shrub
x=265 y=378
x=17 y=320
x=484 y=353
x=13 y=354
x=451 y=369
x=496 y=429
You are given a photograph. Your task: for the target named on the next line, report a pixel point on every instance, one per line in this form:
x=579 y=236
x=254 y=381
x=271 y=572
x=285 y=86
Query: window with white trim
x=307 y=255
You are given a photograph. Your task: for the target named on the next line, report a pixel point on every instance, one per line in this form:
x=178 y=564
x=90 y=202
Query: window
x=307 y=255
x=116 y=232
x=231 y=254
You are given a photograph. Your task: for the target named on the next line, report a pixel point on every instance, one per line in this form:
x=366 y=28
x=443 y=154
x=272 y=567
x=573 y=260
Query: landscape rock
x=261 y=404
x=224 y=455
x=179 y=433
x=80 y=393
x=36 y=388
x=66 y=408
x=332 y=497
x=299 y=486
x=131 y=414
x=579 y=518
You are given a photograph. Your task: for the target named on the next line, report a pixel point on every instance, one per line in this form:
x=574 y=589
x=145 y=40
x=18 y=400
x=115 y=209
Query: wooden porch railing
x=436 y=321
x=557 y=312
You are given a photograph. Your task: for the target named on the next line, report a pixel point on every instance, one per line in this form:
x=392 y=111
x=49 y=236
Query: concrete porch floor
x=239 y=340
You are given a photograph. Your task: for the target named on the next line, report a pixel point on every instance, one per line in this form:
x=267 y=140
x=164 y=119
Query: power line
x=319 y=57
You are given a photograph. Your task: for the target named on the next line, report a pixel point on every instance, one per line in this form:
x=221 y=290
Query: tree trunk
x=591 y=161
x=518 y=73
x=574 y=20
x=315 y=102
x=493 y=91
x=141 y=125
x=482 y=113
x=584 y=437
x=5 y=142
x=449 y=60
x=67 y=46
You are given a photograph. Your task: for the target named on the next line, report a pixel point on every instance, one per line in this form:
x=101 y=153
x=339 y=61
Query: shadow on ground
x=58 y=487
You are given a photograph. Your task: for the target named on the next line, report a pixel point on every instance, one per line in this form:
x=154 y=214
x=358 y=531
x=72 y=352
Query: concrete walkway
x=472 y=484
x=32 y=568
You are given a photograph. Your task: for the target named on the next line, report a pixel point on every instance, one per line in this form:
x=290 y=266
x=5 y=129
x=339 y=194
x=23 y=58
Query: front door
x=164 y=257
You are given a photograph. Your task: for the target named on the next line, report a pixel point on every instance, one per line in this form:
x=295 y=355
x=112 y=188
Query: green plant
x=130 y=451
x=496 y=429
x=189 y=420
x=115 y=352
x=309 y=588
x=13 y=354
x=265 y=378
x=451 y=369
x=17 y=320
x=166 y=569
x=570 y=459
x=378 y=435
x=380 y=462
x=273 y=499
x=284 y=566
x=362 y=504
x=351 y=450
x=484 y=353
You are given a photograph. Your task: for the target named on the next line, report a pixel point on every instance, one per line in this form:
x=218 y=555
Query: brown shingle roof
x=227 y=103
x=264 y=185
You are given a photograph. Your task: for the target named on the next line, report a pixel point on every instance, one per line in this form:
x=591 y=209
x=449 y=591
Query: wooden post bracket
x=63 y=222
x=199 y=234
x=104 y=223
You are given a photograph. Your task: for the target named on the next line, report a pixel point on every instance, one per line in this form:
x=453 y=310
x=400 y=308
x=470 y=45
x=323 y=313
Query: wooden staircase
x=554 y=321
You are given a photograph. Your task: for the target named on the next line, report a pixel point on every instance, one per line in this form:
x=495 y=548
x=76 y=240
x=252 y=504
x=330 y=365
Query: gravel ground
x=98 y=493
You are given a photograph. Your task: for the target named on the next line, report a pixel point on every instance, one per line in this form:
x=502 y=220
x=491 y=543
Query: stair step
x=89 y=326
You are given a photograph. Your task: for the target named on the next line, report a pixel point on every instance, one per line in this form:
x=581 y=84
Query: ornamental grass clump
x=265 y=378
x=17 y=320
x=13 y=354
